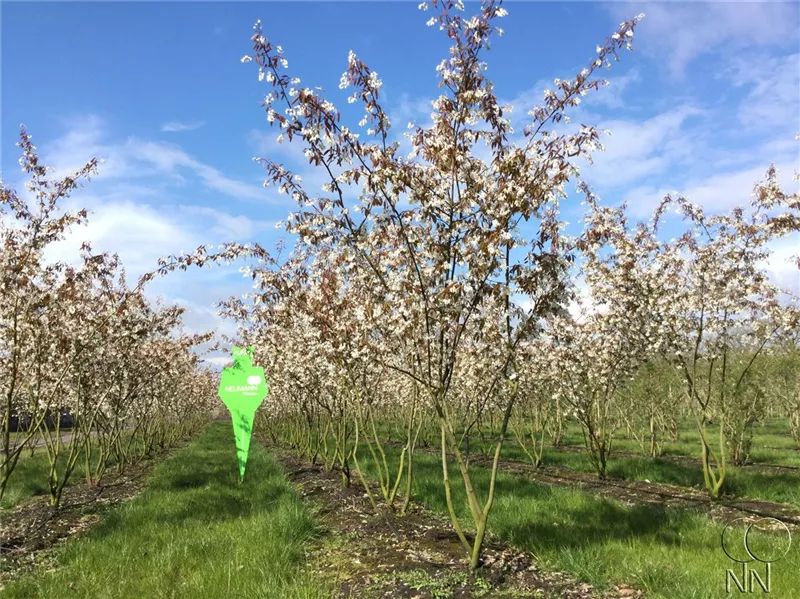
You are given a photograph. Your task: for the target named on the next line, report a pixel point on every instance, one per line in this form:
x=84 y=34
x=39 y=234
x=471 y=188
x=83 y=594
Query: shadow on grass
x=194 y=531
x=665 y=471
x=537 y=516
x=582 y=526
x=201 y=483
x=784 y=487
x=29 y=478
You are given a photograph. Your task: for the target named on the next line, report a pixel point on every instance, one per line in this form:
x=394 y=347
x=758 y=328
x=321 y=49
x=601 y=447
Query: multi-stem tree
x=77 y=340
x=722 y=314
x=446 y=237
x=613 y=328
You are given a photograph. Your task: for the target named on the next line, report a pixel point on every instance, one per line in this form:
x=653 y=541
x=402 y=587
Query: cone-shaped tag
x=242 y=431
x=242 y=388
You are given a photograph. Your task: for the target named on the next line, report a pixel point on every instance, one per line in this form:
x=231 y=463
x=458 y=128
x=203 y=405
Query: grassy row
x=194 y=532
x=29 y=478
x=772 y=443
x=671 y=553
x=779 y=486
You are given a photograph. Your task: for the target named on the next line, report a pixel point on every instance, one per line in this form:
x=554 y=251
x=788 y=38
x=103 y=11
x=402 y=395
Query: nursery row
x=78 y=340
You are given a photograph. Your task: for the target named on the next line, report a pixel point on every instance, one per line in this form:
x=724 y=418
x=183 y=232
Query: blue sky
x=709 y=97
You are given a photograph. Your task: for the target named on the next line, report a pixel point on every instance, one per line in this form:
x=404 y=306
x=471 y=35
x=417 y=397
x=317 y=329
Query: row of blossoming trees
x=78 y=339
x=433 y=296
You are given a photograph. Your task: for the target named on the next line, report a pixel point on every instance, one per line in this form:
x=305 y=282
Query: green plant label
x=242 y=388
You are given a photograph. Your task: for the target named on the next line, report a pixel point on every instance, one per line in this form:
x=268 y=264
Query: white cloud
x=584 y=305
x=774 y=97
x=176 y=127
x=142 y=233
x=84 y=139
x=612 y=95
x=219 y=361
x=782 y=263
x=134 y=211
x=168 y=159
x=266 y=146
x=524 y=101
x=679 y=32
x=608 y=96
x=417 y=110
x=229 y=227
x=716 y=193
x=202 y=316
x=139 y=233
x=290 y=155
x=137 y=159
x=636 y=149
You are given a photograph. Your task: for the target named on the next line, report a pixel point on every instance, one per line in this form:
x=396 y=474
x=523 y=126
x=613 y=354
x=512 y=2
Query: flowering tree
x=614 y=329
x=439 y=234
x=722 y=315
x=72 y=340
x=537 y=408
x=26 y=293
x=650 y=406
x=783 y=379
x=315 y=329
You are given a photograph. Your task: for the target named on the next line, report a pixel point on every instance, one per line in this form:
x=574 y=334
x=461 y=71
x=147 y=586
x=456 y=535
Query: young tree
x=441 y=240
x=27 y=293
x=440 y=233
x=69 y=337
x=649 y=405
x=613 y=329
x=722 y=313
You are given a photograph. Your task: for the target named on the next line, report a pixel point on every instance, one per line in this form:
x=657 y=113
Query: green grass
x=780 y=486
x=767 y=436
x=671 y=553
x=29 y=478
x=772 y=443
x=194 y=532
x=17 y=436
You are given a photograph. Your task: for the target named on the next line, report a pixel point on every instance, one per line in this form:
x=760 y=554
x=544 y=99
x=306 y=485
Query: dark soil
x=688 y=460
x=639 y=492
x=31 y=531
x=368 y=553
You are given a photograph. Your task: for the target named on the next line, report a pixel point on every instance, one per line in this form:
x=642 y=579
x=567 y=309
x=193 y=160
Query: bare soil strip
x=366 y=553
x=639 y=492
x=683 y=459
